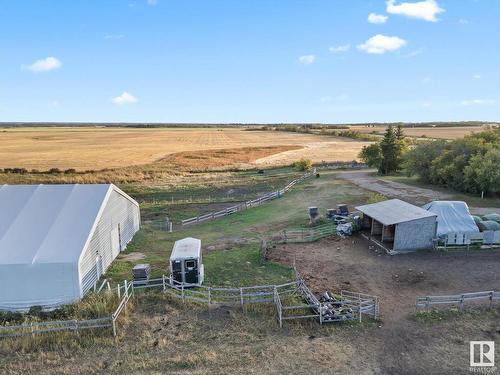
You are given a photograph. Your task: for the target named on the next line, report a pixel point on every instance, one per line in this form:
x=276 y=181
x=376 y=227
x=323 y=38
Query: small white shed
x=57 y=240
x=186 y=263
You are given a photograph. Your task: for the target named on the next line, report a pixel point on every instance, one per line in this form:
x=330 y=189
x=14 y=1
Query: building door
x=98 y=267
x=115 y=242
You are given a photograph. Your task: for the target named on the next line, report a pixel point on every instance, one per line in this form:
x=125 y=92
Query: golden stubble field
x=100 y=148
x=452 y=132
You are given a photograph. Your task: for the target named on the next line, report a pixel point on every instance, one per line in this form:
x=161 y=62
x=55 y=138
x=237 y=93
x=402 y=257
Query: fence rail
x=297 y=236
x=242 y=296
x=457 y=299
x=248 y=204
x=53 y=326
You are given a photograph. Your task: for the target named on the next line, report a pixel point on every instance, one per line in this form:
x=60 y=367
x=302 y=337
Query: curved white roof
x=48 y=223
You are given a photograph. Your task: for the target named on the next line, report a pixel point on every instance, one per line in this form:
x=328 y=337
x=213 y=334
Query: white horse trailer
x=186 y=265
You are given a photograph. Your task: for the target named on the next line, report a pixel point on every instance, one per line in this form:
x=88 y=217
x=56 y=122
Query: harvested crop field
x=99 y=148
x=451 y=132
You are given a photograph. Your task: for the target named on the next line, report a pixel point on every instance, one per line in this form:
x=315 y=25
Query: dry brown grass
x=100 y=148
x=165 y=336
x=452 y=132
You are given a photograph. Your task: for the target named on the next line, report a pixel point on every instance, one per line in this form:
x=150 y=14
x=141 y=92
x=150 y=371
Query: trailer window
x=190 y=263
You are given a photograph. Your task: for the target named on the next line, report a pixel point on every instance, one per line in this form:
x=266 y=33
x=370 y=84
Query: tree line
x=470 y=164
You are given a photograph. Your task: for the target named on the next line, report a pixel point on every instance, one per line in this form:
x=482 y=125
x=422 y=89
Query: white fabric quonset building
x=57 y=240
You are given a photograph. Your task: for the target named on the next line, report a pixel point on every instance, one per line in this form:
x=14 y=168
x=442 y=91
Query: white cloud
x=338 y=49
x=427 y=105
x=124 y=98
x=44 y=65
x=377 y=18
x=426 y=80
x=415 y=53
x=380 y=44
x=426 y=10
x=463 y=21
x=328 y=99
x=114 y=36
x=477 y=101
x=307 y=59
x=152 y=2
x=476 y=76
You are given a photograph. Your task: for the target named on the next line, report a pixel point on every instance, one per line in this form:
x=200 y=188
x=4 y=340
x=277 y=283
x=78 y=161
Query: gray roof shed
x=394 y=211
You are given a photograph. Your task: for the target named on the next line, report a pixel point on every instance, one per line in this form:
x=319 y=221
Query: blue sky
x=249 y=60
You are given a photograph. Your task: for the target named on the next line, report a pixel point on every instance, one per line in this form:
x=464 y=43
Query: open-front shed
x=399 y=226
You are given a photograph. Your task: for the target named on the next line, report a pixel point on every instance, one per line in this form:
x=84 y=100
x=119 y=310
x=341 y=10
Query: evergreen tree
x=389 y=152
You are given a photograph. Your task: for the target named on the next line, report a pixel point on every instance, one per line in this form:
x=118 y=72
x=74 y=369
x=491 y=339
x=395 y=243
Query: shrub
x=303 y=164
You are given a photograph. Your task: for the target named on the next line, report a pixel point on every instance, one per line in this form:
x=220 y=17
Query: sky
x=249 y=61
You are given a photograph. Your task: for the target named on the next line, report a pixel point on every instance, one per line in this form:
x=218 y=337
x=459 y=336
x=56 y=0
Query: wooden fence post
x=182 y=289
x=126 y=288
x=114 y=324
x=209 y=295
x=118 y=291
x=491 y=299
x=241 y=298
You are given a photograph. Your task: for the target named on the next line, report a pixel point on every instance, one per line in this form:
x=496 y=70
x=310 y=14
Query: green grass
x=246 y=227
x=242 y=266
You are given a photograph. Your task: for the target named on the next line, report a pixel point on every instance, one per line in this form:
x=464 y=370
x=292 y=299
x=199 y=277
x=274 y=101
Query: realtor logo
x=482 y=353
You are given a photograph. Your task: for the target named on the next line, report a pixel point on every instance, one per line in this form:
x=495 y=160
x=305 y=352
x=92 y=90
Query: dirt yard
x=355 y=264
x=98 y=148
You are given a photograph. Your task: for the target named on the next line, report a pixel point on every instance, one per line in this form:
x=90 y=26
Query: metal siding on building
x=119 y=211
x=415 y=235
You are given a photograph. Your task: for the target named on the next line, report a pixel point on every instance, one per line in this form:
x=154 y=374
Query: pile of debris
x=333 y=309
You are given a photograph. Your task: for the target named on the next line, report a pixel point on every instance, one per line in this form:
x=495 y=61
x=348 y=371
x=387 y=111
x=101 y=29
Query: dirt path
x=414 y=194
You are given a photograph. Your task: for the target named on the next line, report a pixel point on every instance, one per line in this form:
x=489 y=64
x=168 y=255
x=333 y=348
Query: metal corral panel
x=394 y=211
x=415 y=235
x=186 y=248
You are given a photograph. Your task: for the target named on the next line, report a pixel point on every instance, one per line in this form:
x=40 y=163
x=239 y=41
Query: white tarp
x=452 y=217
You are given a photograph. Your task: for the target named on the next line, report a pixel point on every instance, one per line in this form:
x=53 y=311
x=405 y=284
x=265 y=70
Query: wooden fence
x=457 y=299
x=248 y=204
